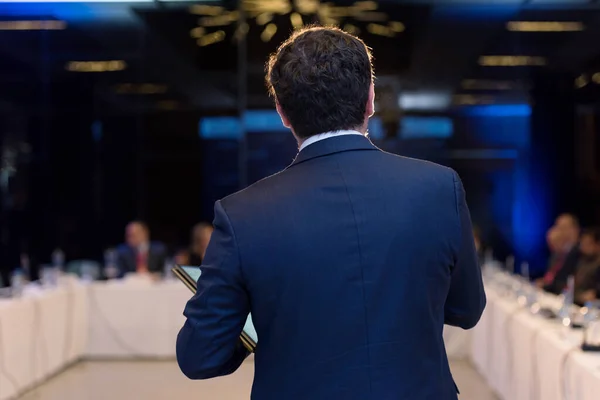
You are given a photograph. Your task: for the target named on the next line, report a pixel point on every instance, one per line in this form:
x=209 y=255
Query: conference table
x=136 y=318
x=521 y=355
x=524 y=356
x=141 y=319
x=41 y=333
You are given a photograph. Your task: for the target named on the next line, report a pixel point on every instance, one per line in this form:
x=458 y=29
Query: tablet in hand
x=189 y=275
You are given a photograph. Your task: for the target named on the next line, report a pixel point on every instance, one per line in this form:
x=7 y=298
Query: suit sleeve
x=466 y=299
x=160 y=258
x=122 y=263
x=208 y=345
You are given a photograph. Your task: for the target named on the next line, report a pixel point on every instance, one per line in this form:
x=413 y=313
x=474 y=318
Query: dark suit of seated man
x=351 y=260
x=139 y=254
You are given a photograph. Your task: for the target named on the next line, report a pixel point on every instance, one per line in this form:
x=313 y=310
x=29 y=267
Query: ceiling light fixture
x=351 y=29
x=296 y=20
x=140 y=88
x=581 y=81
x=467 y=99
x=397 y=26
x=366 y=5
x=424 y=101
x=380 y=30
x=545 y=26
x=51 y=25
x=168 y=105
x=211 y=38
x=219 y=20
x=264 y=12
x=264 y=18
x=268 y=33
x=96 y=66
x=201 y=9
x=197 y=32
x=307 y=6
x=475 y=84
x=511 y=61
x=596 y=78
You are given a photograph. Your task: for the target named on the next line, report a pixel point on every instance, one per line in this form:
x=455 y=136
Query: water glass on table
x=591 y=326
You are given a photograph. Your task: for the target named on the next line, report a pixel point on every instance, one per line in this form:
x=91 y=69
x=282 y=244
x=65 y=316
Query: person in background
x=556 y=246
x=138 y=254
x=567 y=227
x=478 y=245
x=588 y=267
x=201 y=234
x=182 y=257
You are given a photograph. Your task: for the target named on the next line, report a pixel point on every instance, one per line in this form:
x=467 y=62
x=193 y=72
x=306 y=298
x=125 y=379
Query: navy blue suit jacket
x=126 y=258
x=351 y=260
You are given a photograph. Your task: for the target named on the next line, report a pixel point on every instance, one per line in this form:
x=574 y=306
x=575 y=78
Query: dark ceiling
x=437 y=50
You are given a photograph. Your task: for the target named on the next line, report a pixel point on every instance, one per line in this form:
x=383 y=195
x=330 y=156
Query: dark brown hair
x=321 y=78
x=593 y=233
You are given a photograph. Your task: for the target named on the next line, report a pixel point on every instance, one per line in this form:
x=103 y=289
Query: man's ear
x=370 y=108
x=284 y=119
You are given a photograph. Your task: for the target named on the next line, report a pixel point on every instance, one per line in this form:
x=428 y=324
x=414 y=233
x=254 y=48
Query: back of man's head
x=321 y=79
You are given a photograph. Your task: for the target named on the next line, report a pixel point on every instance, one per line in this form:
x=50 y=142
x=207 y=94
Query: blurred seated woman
x=201 y=234
x=587 y=272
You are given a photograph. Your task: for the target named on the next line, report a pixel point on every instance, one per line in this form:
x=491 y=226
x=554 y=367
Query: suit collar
x=333 y=145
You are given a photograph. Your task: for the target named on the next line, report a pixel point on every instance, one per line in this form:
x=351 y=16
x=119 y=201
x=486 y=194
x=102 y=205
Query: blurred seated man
x=201 y=234
x=138 y=254
x=568 y=229
x=556 y=246
x=588 y=267
x=182 y=257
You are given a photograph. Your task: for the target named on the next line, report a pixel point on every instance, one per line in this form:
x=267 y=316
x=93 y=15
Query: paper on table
x=194 y=273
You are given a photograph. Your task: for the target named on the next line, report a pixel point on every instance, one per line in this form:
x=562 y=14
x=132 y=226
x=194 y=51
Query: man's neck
x=326 y=135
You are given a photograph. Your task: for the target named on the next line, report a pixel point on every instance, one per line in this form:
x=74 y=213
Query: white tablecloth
x=457 y=342
x=135 y=319
x=527 y=357
x=141 y=319
x=47 y=329
x=40 y=334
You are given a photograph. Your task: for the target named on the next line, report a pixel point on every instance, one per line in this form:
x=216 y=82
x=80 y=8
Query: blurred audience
x=587 y=273
x=201 y=234
x=138 y=254
x=563 y=240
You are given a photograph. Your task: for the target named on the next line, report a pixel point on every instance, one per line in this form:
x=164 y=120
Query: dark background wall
x=88 y=175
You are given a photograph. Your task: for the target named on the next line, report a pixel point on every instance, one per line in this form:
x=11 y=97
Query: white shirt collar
x=327 y=135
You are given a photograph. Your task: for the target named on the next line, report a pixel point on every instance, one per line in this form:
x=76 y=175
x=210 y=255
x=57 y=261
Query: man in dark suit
x=138 y=254
x=351 y=259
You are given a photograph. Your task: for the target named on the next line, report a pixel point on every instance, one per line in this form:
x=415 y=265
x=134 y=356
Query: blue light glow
x=262 y=121
x=375 y=128
x=530 y=217
x=220 y=128
x=520 y=199
x=498 y=110
x=62 y=11
x=426 y=127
